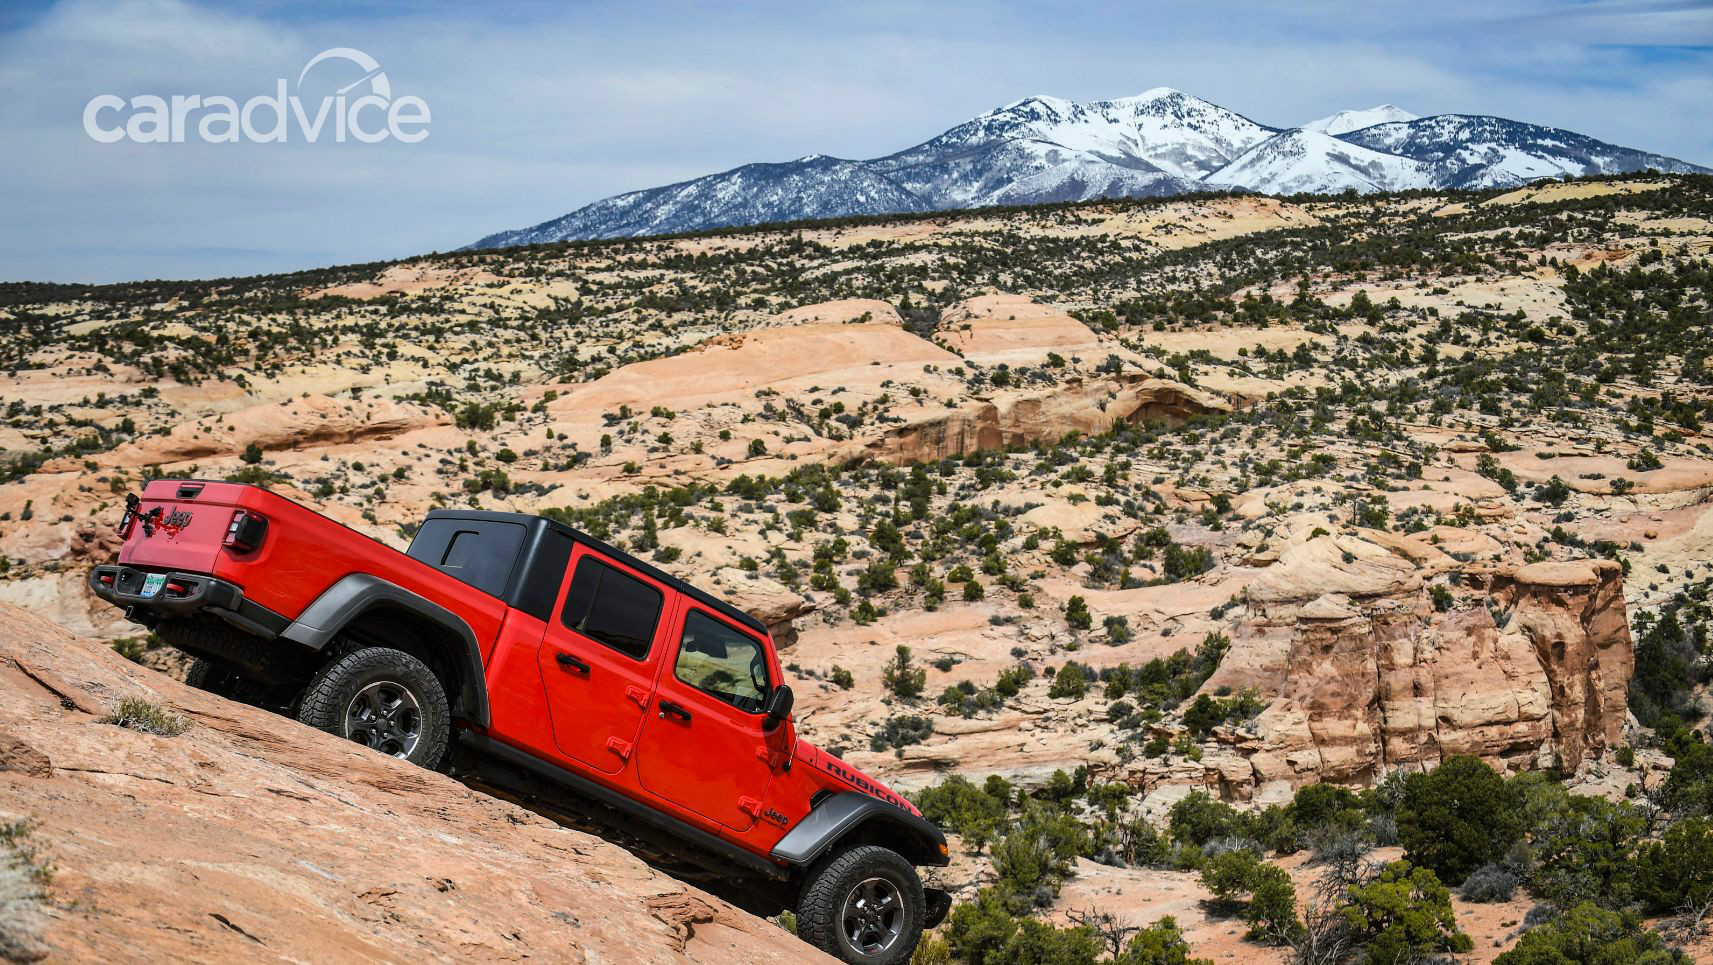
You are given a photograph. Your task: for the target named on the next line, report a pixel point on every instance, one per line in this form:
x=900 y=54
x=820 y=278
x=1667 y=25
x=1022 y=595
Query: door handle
x=566 y=660
x=670 y=709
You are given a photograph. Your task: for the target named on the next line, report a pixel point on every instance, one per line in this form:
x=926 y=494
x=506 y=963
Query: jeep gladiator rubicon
x=528 y=658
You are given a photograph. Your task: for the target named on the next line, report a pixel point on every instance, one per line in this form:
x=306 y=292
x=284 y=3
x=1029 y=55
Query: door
x=703 y=747
x=598 y=658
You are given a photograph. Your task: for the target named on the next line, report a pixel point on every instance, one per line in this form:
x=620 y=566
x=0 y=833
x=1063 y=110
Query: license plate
x=153 y=583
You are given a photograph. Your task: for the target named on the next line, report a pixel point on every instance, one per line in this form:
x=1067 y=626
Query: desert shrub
x=146 y=716
x=1677 y=871
x=1457 y=818
x=956 y=804
x=1588 y=933
x=1584 y=851
x=987 y=932
x=1162 y=943
x=1199 y=818
x=1272 y=911
x=841 y=678
x=902 y=677
x=1403 y=915
x=1490 y=883
x=1034 y=858
x=1037 y=943
x=1071 y=681
x=1203 y=715
x=1671 y=650
x=1232 y=874
x=1315 y=807
x=1077 y=615
x=900 y=732
x=1688 y=789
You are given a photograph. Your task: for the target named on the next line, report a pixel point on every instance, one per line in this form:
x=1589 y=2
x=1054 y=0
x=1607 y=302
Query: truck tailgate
x=183 y=528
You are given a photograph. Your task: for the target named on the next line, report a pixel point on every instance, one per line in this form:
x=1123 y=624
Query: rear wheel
x=864 y=906
x=384 y=699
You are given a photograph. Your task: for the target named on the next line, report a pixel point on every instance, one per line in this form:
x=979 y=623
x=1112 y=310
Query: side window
x=722 y=662
x=614 y=608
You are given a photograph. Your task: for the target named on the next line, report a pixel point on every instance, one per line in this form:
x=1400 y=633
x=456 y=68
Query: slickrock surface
x=250 y=837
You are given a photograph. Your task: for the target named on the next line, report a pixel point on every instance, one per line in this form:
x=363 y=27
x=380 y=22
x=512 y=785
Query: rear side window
x=480 y=552
x=614 y=608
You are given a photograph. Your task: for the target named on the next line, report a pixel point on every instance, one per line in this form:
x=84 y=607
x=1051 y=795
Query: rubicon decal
x=863 y=784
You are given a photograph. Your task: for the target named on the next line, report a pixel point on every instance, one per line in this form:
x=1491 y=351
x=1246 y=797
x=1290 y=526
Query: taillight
x=246 y=531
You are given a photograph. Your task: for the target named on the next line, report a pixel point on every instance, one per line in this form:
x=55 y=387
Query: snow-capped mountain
x=812 y=187
x=1309 y=162
x=1474 y=151
x=1344 y=122
x=1160 y=142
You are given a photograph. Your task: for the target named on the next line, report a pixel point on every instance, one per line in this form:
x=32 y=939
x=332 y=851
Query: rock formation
x=250 y=837
x=1085 y=405
x=1526 y=667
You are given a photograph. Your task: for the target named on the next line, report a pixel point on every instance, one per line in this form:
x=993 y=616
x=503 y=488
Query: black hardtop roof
x=606 y=549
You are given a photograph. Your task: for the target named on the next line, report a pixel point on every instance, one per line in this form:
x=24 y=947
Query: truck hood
x=836 y=772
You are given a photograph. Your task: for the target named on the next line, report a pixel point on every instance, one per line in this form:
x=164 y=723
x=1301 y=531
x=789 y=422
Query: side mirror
x=778 y=707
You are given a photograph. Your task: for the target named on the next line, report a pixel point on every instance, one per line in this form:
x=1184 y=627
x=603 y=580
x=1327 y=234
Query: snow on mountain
x=1304 y=161
x=812 y=187
x=1344 y=122
x=1160 y=142
x=1476 y=151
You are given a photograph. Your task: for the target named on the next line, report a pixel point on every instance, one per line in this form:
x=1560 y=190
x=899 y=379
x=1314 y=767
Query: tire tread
x=320 y=707
x=818 y=906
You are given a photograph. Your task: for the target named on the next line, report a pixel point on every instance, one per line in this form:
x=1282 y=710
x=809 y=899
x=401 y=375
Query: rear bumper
x=181 y=595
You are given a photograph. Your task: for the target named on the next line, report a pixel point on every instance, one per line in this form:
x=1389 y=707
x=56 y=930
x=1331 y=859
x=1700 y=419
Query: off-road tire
x=205 y=674
x=328 y=699
x=830 y=881
x=208 y=639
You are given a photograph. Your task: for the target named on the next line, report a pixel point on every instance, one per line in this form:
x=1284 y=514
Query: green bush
x=1071 y=681
x=1584 y=851
x=1232 y=874
x=1077 y=615
x=148 y=717
x=1316 y=807
x=957 y=805
x=1457 y=818
x=1403 y=916
x=1592 y=935
x=902 y=677
x=1159 y=944
x=1677 y=871
x=1272 y=911
x=900 y=732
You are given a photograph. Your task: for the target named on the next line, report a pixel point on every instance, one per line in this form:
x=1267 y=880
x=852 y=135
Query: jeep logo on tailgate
x=176 y=520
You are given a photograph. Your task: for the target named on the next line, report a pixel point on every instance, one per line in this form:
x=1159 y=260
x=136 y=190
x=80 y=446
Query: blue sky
x=541 y=107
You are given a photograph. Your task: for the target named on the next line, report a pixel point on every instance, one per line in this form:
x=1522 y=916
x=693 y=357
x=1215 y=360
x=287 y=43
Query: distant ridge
x=1161 y=142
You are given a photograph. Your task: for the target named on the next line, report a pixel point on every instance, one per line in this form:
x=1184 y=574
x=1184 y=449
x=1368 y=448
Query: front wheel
x=863 y=906
x=384 y=699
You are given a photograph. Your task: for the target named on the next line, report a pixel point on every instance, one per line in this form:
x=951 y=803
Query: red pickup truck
x=522 y=655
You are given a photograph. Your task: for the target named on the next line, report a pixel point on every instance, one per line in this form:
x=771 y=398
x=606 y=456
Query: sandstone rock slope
x=252 y=838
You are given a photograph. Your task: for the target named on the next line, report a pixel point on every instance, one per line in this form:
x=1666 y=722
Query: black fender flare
x=357 y=593
x=918 y=840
